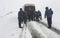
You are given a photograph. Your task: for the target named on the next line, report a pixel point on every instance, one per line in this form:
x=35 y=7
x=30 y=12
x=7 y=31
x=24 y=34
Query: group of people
x=31 y=15
x=36 y=16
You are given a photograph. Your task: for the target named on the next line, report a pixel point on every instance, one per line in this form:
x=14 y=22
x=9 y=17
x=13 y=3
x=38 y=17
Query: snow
x=44 y=32
x=7 y=6
x=9 y=28
x=25 y=32
x=9 y=12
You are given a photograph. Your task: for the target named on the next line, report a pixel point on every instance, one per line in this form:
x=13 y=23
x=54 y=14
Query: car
x=30 y=11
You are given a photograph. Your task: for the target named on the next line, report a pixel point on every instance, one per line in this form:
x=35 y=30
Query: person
x=51 y=14
x=38 y=15
x=20 y=17
x=48 y=14
x=25 y=17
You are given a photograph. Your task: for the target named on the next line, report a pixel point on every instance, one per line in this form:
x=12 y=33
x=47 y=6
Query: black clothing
x=20 y=18
x=49 y=20
x=48 y=14
x=25 y=17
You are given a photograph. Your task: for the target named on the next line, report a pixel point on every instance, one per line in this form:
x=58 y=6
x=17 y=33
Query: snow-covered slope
x=40 y=31
x=9 y=27
x=9 y=22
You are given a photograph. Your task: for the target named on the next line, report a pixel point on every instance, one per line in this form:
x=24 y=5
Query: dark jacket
x=20 y=14
x=39 y=13
x=48 y=13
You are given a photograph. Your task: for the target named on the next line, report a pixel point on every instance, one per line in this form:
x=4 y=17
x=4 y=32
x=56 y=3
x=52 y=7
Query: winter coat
x=20 y=15
x=39 y=13
x=48 y=13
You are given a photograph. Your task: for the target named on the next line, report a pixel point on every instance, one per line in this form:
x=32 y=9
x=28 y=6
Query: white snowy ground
x=9 y=28
x=42 y=30
x=55 y=24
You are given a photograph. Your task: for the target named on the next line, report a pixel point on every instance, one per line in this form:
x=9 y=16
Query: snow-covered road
x=40 y=31
x=9 y=29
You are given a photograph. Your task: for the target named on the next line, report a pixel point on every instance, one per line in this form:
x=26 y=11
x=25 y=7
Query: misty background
x=9 y=13
x=7 y=6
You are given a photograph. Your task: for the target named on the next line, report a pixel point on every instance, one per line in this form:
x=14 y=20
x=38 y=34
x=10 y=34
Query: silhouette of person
x=20 y=17
x=38 y=15
x=25 y=17
x=48 y=15
x=51 y=14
